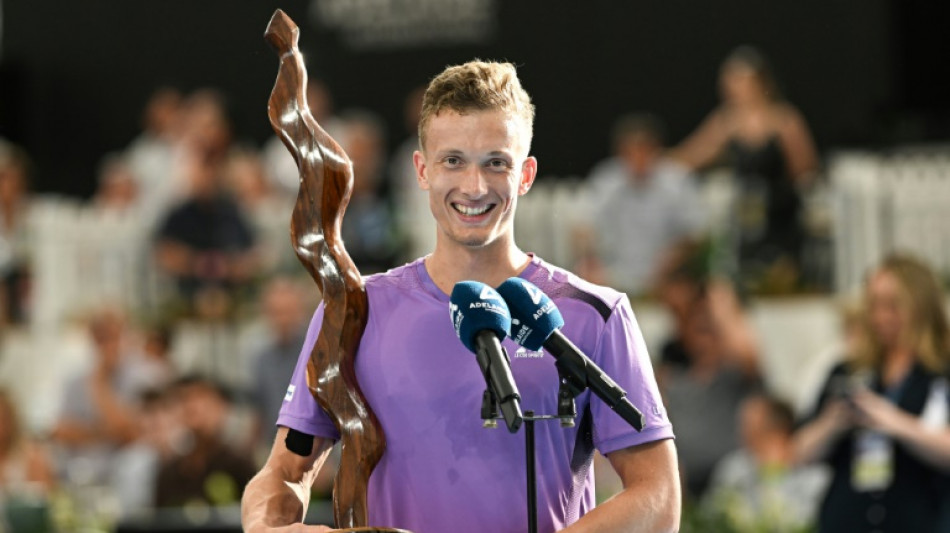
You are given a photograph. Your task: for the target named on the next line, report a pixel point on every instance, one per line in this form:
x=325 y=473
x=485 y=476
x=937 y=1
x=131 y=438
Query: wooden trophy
x=326 y=182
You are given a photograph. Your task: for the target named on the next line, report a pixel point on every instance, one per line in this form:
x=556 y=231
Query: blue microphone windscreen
x=476 y=307
x=534 y=317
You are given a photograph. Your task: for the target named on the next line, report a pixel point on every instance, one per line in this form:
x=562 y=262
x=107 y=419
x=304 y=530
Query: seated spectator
x=15 y=243
x=881 y=421
x=641 y=205
x=209 y=470
x=411 y=204
x=682 y=279
x=117 y=193
x=267 y=210
x=760 y=486
x=25 y=467
x=368 y=225
x=150 y=368
x=287 y=320
x=162 y=437
x=97 y=415
x=152 y=155
x=702 y=392
x=206 y=244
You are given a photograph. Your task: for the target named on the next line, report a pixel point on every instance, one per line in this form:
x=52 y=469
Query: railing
x=885 y=203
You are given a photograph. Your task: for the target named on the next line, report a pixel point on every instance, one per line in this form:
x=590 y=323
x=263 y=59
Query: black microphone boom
x=539 y=322
x=573 y=360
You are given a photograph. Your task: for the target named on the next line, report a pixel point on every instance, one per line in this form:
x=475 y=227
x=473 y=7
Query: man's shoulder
x=560 y=283
x=397 y=278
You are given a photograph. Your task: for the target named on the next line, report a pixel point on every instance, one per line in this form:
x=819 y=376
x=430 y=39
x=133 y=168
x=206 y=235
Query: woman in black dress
x=767 y=144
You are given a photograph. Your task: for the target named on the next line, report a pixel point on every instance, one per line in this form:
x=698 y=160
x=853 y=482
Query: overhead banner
x=389 y=24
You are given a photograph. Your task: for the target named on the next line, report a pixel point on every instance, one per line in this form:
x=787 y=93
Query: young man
x=442 y=471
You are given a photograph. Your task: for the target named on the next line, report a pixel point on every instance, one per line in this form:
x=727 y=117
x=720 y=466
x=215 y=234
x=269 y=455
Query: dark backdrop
x=74 y=75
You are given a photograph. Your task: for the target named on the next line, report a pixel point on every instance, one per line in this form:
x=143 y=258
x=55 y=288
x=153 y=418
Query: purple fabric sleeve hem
x=308 y=427
x=652 y=434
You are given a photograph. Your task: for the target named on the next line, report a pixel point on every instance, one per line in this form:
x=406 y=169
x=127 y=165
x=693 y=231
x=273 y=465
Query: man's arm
x=650 y=499
x=276 y=499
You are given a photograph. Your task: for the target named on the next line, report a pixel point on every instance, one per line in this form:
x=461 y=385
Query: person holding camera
x=881 y=421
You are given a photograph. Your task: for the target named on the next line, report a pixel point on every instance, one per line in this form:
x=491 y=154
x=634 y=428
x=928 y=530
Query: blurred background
x=734 y=167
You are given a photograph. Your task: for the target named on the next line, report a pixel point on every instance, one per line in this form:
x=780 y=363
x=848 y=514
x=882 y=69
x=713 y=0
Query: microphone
x=537 y=322
x=481 y=319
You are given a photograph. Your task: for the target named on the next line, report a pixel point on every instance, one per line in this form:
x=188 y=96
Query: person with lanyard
x=881 y=421
x=442 y=471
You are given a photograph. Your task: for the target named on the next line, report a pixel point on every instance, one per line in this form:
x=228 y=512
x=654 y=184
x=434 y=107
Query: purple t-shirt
x=442 y=471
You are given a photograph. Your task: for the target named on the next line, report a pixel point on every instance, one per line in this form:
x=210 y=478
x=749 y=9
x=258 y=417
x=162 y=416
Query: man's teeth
x=472 y=211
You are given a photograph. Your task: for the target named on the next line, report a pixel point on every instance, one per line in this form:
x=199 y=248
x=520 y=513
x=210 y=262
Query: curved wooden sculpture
x=326 y=182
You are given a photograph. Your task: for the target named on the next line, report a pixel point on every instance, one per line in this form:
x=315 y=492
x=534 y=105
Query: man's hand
x=275 y=501
x=650 y=499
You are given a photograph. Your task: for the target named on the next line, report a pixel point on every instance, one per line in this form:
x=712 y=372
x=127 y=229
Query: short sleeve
x=622 y=355
x=300 y=411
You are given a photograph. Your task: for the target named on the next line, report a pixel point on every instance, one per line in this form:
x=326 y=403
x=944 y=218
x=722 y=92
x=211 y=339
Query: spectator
x=206 y=132
x=97 y=415
x=15 y=242
x=150 y=368
x=773 y=157
x=703 y=391
x=881 y=419
x=268 y=211
x=642 y=204
x=287 y=321
x=162 y=437
x=368 y=226
x=411 y=204
x=24 y=465
x=153 y=155
x=117 y=193
x=209 y=471
x=206 y=244
x=759 y=486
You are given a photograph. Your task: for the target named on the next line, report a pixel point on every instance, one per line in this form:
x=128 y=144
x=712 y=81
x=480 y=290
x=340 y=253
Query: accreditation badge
x=872 y=469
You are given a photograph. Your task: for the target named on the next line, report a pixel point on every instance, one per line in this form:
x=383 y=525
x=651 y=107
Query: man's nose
x=474 y=183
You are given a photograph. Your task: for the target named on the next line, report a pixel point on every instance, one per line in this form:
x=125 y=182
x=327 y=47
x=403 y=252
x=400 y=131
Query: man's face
x=640 y=153
x=475 y=166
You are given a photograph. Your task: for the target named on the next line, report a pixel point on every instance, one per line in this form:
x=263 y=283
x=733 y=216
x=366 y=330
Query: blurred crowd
x=139 y=431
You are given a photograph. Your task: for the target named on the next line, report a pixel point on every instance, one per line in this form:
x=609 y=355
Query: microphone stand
x=568 y=389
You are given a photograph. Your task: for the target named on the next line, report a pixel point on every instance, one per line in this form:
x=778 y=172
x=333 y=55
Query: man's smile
x=472 y=211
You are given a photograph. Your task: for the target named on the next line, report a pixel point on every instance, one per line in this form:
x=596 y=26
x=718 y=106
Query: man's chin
x=474 y=242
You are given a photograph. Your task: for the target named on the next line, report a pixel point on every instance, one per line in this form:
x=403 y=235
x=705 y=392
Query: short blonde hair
x=476 y=86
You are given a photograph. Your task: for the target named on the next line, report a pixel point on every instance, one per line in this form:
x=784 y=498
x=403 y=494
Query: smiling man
x=442 y=471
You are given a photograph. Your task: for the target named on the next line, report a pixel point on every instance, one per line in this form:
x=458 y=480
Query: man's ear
x=529 y=171
x=419 y=161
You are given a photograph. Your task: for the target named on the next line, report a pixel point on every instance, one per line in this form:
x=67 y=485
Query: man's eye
x=452 y=161
x=498 y=164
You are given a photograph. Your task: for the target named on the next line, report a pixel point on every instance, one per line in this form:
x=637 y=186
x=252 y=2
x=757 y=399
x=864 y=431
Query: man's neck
x=491 y=265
